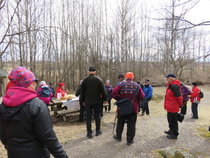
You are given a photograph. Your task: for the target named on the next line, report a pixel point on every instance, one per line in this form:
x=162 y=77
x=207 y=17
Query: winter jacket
x=92 y=90
x=109 y=92
x=78 y=91
x=126 y=89
x=185 y=92
x=173 y=97
x=60 y=90
x=26 y=126
x=44 y=93
x=148 y=91
x=194 y=95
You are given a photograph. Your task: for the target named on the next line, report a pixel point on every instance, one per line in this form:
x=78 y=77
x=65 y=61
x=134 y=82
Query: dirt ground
x=149 y=138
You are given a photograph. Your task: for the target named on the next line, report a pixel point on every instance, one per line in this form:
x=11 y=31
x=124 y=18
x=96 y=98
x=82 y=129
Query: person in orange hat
x=60 y=89
x=128 y=89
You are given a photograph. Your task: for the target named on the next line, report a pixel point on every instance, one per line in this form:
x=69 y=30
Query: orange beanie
x=129 y=75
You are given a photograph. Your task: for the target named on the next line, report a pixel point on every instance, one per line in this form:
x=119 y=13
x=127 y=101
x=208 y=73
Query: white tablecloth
x=73 y=103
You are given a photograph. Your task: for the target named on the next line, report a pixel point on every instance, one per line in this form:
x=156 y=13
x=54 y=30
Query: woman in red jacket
x=60 y=89
x=194 y=99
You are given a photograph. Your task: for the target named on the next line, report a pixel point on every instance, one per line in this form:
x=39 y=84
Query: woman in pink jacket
x=194 y=99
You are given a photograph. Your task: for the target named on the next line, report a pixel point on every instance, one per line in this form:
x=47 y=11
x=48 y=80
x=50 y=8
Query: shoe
x=142 y=114
x=168 y=132
x=194 y=117
x=115 y=137
x=98 y=133
x=130 y=143
x=89 y=135
x=80 y=120
x=171 y=136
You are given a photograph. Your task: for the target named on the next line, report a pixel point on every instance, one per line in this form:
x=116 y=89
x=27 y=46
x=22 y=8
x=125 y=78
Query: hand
x=67 y=91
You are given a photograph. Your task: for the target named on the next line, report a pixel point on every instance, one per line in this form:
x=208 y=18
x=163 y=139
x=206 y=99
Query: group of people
x=25 y=122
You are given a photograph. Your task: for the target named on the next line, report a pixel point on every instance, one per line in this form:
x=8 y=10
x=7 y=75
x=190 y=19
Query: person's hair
x=50 y=84
x=194 y=83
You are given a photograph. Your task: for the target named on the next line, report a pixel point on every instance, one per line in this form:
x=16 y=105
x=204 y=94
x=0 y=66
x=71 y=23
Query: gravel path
x=149 y=137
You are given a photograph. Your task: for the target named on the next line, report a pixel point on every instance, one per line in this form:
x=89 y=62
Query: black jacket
x=93 y=90
x=26 y=131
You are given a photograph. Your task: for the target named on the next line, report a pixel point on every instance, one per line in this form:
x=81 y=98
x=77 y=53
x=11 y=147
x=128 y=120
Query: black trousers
x=184 y=108
x=131 y=126
x=195 y=110
x=97 y=115
x=109 y=105
x=81 y=111
x=173 y=123
x=145 y=106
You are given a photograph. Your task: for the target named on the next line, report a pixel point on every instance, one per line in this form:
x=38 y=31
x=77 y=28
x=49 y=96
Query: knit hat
x=129 y=75
x=107 y=81
x=194 y=83
x=21 y=77
x=42 y=82
x=61 y=84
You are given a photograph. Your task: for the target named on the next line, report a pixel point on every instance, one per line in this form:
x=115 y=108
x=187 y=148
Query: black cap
x=121 y=75
x=194 y=83
x=92 y=69
x=146 y=80
x=170 y=75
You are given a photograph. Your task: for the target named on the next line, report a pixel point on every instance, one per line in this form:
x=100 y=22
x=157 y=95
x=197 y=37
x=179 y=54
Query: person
x=60 y=89
x=142 y=86
x=25 y=123
x=121 y=77
x=93 y=94
x=82 y=108
x=44 y=92
x=185 y=92
x=173 y=100
x=194 y=99
x=127 y=89
x=148 y=91
x=109 y=94
x=52 y=89
x=9 y=84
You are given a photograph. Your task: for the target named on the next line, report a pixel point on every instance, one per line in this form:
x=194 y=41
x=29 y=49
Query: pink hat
x=21 y=77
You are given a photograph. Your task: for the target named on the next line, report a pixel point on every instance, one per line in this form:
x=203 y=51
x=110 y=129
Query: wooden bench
x=63 y=113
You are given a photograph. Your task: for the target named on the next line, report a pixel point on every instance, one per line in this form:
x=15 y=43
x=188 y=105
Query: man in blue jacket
x=148 y=91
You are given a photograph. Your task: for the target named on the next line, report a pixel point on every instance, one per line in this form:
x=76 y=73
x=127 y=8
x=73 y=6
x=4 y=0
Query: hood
x=16 y=96
x=177 y=82
x=44 y=86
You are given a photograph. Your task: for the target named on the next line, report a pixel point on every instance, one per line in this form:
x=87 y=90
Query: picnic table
x=65 y=107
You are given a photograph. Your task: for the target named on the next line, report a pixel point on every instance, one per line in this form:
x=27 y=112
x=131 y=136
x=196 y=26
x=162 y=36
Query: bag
x=201 y=95
x=125 y=107
x=180 y=117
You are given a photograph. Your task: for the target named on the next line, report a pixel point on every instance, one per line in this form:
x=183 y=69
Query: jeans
x=184 y=108
x=97 y=115
x=173 y=123
x=131 y=126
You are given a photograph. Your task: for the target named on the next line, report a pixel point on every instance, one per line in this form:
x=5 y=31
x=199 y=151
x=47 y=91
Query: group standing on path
x=26 y=125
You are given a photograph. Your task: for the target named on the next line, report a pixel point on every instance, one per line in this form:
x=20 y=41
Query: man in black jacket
x=93 y=94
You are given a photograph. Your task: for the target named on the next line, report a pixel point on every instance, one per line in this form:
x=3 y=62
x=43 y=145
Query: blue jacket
x=148 y=91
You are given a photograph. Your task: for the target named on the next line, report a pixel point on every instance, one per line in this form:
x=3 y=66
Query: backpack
x=201 y=95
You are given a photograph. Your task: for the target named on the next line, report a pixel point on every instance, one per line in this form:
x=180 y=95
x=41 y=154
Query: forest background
x=59 y=40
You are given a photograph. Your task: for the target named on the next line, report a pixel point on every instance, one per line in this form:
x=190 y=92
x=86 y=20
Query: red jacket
x=126 y=89
x=195 y=95
x=60 y=90
x=173 y=97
